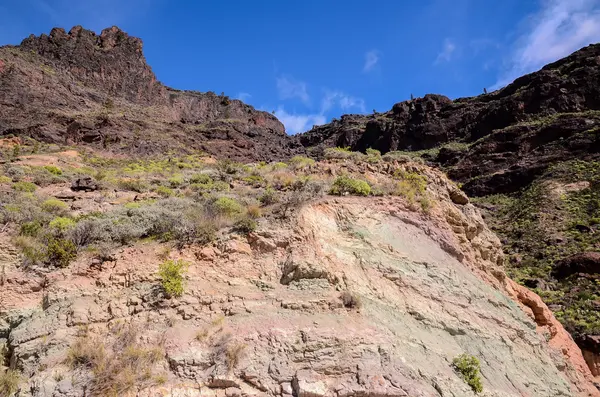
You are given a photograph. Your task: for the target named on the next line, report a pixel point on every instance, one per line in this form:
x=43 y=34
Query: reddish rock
x=586 y=262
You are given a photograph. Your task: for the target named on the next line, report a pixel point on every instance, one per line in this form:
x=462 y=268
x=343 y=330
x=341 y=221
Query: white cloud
x=371 y=59
x=243 y=96
x=344 y=101
x=295 y=123
x=447 y=52
x=289 y=88
x=558 y=29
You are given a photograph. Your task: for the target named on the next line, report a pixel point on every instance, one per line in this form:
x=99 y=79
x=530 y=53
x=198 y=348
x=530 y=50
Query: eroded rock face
x=264 y=316
x=83 y=88
x=506 y=138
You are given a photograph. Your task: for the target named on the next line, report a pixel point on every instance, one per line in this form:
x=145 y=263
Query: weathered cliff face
x=84 y=88
x=530 y=152
x=501 y=141
x=350 y=296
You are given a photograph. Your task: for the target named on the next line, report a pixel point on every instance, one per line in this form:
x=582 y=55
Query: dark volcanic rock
x=83 y=88
x=507 y=138
x=87 y=184
x=587 y=262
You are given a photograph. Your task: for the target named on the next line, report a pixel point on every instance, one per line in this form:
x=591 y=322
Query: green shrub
x=301 y=161
x=468 y=368
x=228 y=206
x=268 y=197
x=346 y=185
x=341 y=154
x=61 y=252
x=373 y=152
x=135 y=185
x=31 y=228
x=171 y=275
x=245 y=225
x=164 y=191
x=9 y=382
x=54 y=205
x=411 y=184
x=254 y=180
x=53 y=169
x=201 y=178
x=61 y=224
x=278 y=166
x=5 y=179
x=24 y=187
x=176 y=181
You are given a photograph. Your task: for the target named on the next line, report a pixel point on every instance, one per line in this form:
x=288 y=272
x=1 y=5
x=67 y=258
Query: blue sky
x=313 y=60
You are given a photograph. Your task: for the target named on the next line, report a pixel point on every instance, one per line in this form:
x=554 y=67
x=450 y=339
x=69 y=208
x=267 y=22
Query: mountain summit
x=80 y=87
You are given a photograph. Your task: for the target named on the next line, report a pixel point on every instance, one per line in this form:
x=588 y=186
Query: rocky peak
x=112 y=61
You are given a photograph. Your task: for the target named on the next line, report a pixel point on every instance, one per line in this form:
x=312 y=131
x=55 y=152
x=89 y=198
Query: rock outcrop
x=79 y=87
x=269 y=314
x=536 y=143
x=497 y=142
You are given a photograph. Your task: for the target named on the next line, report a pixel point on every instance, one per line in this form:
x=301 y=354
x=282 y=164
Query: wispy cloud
x=558 y=29
x=295 y=123
x=371 y=59
x=243 y=96
x=290 y=88
x=447 y=52
x=344 y=101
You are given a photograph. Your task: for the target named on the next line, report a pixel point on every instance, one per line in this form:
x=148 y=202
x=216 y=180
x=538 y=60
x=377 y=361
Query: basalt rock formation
x=83 y=88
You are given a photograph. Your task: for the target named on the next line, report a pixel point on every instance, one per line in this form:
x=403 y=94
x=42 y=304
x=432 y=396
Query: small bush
x=86 y=352
x=301 y=162
x=61 y=224
x=201 y=178
x=24 y=187
x=33 y=252
x=346 y=185
x=253 y=211
x=117 y=363
x=171 y=274
x=54 y=205
x=53 y=169
x=245 y=225
x=135 y=185
x=400 y=157
x=61 y=252
x=228 y=206
x=283 y=180
x=254 y=180
x=350 y=301
x=176 y=181
x=9 y=382
x=31 y=228
x=411 y=184
x=164 y=191
x=268 y=197
x=468 y=368
x=234 y=354
x=4 y=180
x=373 y=152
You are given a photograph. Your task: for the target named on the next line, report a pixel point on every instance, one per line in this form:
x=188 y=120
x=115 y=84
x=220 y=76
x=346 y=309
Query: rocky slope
x=343 y=296
x=493 y=143
x=530 y=151
x=83 y=88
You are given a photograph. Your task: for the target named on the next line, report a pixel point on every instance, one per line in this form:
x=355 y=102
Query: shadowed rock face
x=80 y=87
x=507 y=137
